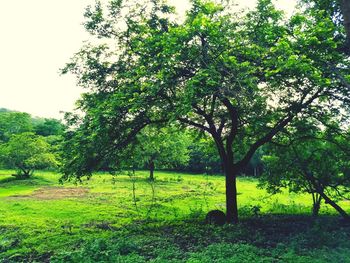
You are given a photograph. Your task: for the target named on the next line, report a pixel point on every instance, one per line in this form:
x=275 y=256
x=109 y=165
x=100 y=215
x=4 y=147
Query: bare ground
x=50 y=193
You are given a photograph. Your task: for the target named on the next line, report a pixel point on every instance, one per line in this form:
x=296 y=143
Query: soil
x=50 y=193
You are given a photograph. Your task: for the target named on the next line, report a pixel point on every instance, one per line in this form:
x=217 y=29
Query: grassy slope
x=99 y=219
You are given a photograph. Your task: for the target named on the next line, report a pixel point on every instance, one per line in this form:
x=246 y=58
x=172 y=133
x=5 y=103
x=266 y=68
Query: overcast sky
x=37 y=38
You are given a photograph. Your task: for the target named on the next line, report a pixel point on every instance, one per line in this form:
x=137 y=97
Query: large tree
x=240 y=79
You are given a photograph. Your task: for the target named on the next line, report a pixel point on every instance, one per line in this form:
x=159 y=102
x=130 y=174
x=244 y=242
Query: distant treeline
x=200 y=156
x=14 y=122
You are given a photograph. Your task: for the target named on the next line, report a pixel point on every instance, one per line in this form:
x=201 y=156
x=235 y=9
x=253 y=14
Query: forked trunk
x=23 y=173
x=316 y=204
x=327 y=200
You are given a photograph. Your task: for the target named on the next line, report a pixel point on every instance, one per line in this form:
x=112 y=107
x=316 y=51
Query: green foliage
x=14 y=123
x=326 y=8
x=102 y=250
x=49 y=127
x=26 y=152
x=204 y=157
x=166 y=147
x=309 y=159
x=199 y=73
x=233 y=253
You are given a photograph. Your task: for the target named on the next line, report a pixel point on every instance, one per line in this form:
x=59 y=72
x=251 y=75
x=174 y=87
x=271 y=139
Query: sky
x=37 y=38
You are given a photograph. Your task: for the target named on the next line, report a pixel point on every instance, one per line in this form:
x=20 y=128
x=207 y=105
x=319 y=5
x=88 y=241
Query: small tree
x=161 y=147
x=311 y=161
x=204 y=157
x=26 y=152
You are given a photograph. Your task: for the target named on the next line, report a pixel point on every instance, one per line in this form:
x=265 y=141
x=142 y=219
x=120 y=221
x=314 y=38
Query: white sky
x=37 y=38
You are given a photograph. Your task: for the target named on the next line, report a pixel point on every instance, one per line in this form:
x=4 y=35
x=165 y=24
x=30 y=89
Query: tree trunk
x=231 y=195
x=345 y=9
x=334 y=205
x=23 y=173
x=320 y=191
x=316 y=204
x=151 y=170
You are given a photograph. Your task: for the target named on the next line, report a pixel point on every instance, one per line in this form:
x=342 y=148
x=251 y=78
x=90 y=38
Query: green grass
x=99 y=221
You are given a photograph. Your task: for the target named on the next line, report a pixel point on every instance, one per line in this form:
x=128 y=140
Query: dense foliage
x=28 y=143
x=240 y=78
x=339 y=12
x=310 y=159
x=160 y=148
x=14 y=123
x=26 y=152
x=48 y=127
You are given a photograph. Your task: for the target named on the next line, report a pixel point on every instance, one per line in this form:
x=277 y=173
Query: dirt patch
x=50 y=193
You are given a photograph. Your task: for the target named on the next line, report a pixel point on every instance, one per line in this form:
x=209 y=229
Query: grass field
x=103 y=220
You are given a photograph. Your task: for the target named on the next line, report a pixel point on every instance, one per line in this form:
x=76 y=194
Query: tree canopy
x=26 y=152
x=14 y=123
x=48 y=127
x=240 y=78
x=309 y=159
x=160 y=147
x=339 y=12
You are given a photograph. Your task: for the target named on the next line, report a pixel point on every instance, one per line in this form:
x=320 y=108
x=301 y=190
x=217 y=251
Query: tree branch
x=277 y=128
x=207 y=118
x=234 y=125
x=194 y=124
x=341 y=78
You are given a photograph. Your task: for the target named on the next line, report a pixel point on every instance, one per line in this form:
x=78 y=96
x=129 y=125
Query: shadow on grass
x=265 y=231
x=8 y=179
x=274 y=238
x=33 y=180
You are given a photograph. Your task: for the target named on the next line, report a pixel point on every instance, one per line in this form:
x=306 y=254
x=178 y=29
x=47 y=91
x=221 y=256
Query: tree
x=339 y=12
x=48 y=127
x=241 y=80
x=26 y=152
x=309 y=160
x=162 y=148
x=14 y=123
x=204 y=157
